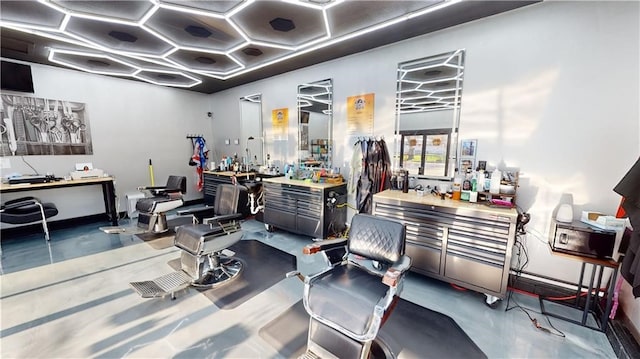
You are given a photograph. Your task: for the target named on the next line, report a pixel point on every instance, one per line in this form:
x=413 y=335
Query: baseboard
x=621 y=333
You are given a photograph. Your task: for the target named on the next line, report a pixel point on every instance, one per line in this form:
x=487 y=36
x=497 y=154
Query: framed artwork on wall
x=41 y=126
x=468 y=149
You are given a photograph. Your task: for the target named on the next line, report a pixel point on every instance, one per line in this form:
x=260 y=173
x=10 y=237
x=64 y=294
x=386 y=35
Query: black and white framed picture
x=39 y=126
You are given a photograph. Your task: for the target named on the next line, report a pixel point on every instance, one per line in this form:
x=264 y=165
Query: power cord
x=28 y=164
x=522 y=255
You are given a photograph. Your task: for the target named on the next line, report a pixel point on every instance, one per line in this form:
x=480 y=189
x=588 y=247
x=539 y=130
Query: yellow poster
x=280 y=121
x=360 y=114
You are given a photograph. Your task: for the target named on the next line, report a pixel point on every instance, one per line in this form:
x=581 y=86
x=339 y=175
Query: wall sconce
x=227 y=142
x=236 y=141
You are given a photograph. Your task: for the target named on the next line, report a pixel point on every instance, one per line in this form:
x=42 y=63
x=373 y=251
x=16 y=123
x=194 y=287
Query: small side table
x=598 y=265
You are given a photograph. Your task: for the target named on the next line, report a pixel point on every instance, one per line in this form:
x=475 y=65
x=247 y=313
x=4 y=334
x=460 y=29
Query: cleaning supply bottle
x=496 y=177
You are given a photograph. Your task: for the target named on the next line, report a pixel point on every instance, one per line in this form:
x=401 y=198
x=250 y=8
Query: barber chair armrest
x=19 y=202
x=324 y=245
x=393 y=275
x=195 y=211
x=223 y=218
x=151 y=188
x=160 y=190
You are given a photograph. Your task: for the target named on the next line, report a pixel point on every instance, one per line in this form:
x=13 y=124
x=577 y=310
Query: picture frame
x=466 y=164
x=468 y=148
x=467 y=157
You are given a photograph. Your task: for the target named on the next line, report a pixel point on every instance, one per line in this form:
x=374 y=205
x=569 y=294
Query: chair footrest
x=308 y=355
x=167 y=284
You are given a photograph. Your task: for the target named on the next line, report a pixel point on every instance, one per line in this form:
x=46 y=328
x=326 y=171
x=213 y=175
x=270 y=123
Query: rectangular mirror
x=428 y=97
x=252 y=138
x=315 y=121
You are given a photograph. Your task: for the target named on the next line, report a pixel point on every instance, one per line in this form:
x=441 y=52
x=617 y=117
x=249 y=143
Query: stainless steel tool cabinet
x=468 y=244
x=312 y=209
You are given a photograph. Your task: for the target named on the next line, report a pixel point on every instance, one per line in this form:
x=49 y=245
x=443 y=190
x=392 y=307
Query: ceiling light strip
x=238 y=8
x=189 y=10
x=303 y=4
x=149 y=13
x=325 y=16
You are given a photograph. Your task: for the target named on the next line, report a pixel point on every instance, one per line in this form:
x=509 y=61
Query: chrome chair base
x=225 y=272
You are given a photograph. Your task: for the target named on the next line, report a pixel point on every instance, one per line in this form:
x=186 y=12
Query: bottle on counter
x=405 y=183
x=457 y=186
x=496 y=178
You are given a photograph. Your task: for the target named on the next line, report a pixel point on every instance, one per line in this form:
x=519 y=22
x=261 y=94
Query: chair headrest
x=376 y=238
x=177 y=183
x=228 y=198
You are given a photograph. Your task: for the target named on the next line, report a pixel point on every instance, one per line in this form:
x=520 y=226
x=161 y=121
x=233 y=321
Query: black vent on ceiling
x=197 y=31
x=123 y=36
x=252 y=51
x=166 y=77
x=205 y=60
x=281 y=24
x=98 y=63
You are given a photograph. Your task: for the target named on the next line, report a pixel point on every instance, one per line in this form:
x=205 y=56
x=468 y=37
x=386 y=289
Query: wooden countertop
x=5 y=187
x=432 y=200
x=284 y=180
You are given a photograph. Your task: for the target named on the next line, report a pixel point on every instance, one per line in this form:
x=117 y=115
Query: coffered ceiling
x=209 y=46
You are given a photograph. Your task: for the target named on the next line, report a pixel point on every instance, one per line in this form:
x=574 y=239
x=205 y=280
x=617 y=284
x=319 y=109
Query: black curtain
x=375 y=174
x=629 y=189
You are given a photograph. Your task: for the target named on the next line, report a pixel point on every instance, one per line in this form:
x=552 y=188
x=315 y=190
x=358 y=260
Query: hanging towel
x=200 y=154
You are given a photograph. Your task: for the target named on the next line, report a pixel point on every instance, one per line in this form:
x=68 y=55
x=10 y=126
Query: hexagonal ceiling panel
x=118 y=37
x=281 y=23
x=203 y=62
x=92 y=62
x=195 y=31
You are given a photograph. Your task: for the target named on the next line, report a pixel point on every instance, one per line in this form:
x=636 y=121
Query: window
x=425 y=152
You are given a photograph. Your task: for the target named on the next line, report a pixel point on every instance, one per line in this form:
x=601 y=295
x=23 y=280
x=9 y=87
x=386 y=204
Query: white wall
x=131 y=122
x=551 y=89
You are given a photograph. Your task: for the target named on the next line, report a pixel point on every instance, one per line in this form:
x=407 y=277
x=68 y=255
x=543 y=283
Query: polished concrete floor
x=71 y=299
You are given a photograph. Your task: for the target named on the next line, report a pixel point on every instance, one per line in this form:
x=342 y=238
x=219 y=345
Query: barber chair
x=205 y=261
x=27 y=210
x=350 y=300
x=152 y=209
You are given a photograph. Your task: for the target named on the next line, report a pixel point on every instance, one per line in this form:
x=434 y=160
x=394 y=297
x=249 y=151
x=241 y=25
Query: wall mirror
x=315 y=121
x=252 y=140
x=428 y=97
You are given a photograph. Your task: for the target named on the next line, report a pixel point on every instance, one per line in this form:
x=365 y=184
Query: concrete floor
x=71 y=299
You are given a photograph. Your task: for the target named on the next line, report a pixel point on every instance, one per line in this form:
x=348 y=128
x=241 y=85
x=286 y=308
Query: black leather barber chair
x=27 y=210
x=152 y=209
x=350 y=300
x=205 y=261
x=203 y=245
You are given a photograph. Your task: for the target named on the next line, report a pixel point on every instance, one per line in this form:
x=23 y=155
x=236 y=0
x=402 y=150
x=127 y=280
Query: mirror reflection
x=315 y=116
x=428 y=97
x=251 y=125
